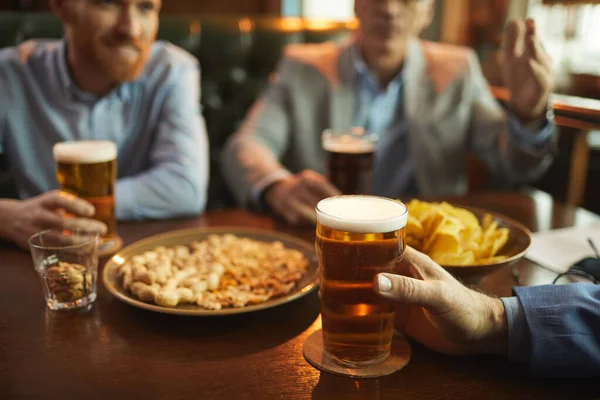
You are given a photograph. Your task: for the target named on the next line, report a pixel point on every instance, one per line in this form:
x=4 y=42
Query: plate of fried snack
x=212 y=271
x=458 y=237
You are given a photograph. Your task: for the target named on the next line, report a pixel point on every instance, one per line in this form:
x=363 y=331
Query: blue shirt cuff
x=518 y=331
x=531 y=139
x=262 y=184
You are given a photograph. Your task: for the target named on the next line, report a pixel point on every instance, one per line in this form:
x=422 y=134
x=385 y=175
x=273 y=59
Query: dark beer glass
x=350 y=160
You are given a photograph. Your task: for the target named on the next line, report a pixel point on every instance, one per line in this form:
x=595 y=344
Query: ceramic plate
x=185 y=237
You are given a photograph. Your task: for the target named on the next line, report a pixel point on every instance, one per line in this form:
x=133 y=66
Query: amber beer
x=358 y=237
x=350 y=160
x=88 y=169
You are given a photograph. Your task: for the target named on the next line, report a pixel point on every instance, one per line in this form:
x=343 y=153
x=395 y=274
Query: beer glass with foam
x=350 y=159
x=357 y=238
x=88 y=169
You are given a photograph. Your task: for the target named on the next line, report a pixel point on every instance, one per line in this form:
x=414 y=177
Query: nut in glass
x=67 y=264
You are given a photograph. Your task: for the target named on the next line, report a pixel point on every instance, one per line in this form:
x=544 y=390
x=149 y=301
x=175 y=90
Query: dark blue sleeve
x=518 y=331
x=564 y=329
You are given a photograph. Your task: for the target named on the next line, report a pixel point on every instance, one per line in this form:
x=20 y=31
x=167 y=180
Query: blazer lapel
x=417 y=85
x=418 y=91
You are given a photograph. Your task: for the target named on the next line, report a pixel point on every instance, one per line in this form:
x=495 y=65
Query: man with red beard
x=107 y=80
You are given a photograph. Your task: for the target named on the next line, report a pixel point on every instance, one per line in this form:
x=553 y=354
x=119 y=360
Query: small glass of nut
x=67 y=262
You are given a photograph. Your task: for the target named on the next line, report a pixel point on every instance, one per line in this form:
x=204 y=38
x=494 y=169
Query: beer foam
x=362 y=214
x=85 y=151
x=348 y=144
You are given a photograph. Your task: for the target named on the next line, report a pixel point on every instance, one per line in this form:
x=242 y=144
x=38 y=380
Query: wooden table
x=117 y=351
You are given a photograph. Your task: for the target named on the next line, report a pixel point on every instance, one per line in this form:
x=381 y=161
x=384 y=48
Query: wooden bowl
x=519 y=240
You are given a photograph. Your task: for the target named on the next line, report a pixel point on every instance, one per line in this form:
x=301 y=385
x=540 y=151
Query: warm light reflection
x=362 y=310
x=352 y=24
x=320 y=24
x=195 y=28
x=245 y=25
x=289 y=24
x=308 y=288
x=118 y=260
x=317 y=325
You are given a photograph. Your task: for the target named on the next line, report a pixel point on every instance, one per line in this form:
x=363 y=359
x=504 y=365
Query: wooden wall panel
x=456 y=21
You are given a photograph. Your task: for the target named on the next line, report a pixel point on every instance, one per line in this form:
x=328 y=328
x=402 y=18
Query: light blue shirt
x=156 y=122
x=381 y=111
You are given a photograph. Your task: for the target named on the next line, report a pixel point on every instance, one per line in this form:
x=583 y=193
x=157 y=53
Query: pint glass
x=357 y=238
x=88 y=169
x=350 y=159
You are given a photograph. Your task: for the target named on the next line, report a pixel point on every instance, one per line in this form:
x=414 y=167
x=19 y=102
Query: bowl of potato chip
x=469 y=242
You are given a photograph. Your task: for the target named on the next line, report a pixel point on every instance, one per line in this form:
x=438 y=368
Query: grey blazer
x=449 y=109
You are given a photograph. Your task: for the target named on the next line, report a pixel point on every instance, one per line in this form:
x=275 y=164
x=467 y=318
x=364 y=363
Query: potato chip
x=432 y=222
x=467 y=258
x=471 y=239
x=500 y=239
x=415 y=227
x=454 y=236
x=467 y=217
x=486 y=221
x=445 y=243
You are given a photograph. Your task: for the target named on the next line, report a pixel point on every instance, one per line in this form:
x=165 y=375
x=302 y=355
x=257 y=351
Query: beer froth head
x=362 y=214
x=85 y=152
x=349 y=144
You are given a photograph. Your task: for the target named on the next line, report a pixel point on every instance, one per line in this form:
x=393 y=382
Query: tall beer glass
x=350 y=159
x=88 y=169
x=358 y=237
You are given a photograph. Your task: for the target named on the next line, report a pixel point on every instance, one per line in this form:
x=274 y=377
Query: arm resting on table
x=556 y=329
x=251 y=158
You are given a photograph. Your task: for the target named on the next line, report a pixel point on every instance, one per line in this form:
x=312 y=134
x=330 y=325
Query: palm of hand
x=529 y=90
x=527 y=70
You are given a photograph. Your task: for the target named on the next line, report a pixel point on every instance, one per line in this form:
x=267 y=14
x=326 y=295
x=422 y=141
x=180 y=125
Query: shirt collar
x=71 y=90
x=363 y=71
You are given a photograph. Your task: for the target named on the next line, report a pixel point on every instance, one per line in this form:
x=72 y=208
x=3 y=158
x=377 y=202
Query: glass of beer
x=357 y=238
x=350 y=159
x=88 y=169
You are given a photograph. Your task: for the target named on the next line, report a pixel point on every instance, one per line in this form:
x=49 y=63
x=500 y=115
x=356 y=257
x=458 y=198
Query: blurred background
x=239 y=42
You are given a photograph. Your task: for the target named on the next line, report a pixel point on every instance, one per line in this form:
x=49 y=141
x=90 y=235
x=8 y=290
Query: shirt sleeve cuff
x=531 y=139
x=518 y=331
x=262 y=184
x=125 y=202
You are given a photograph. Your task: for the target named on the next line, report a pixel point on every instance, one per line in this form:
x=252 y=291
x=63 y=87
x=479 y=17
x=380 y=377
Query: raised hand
x=527 y=70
